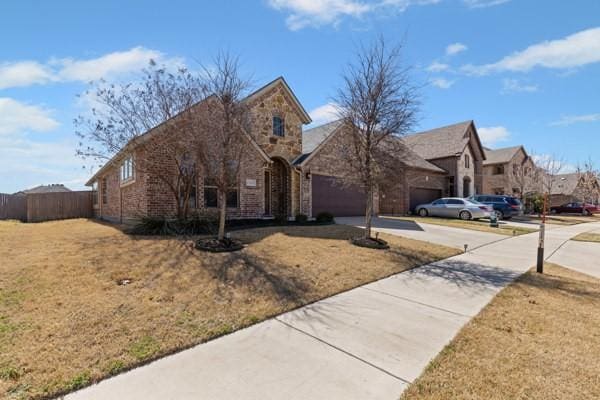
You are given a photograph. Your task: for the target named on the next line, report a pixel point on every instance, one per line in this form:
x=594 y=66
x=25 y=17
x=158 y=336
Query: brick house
x=269 y=183
x=456 y=150
x=325 y=190
x=509 y=171
x=567 y=188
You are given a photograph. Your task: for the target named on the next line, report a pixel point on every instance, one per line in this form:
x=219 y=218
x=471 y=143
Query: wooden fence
x=13 y=207
x=40 y=207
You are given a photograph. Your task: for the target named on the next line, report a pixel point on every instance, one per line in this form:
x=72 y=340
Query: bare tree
x=378 y=105
x=549 y=167
x=222 y=129
x=588 y=182
x=126 y=113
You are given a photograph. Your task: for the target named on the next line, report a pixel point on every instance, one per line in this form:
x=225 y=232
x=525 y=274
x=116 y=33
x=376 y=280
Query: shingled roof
x=52 y=188
x=500 y=156
x=441 y=142
x=565 y=184
x=312 y=138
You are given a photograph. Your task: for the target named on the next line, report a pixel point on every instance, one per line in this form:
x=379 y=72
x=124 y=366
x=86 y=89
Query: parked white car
x=454 y=207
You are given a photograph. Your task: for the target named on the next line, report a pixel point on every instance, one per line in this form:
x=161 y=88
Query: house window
x=499 y=170
x=498 y=191
x=210 y=194
x=95 y=193
x=278 y=126
x=232 y=198
x=467 y=161
x=104 y=191
x=127 y=169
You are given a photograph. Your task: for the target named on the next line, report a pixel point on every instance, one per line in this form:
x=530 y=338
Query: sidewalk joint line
x=415 y=302
x=343 y=351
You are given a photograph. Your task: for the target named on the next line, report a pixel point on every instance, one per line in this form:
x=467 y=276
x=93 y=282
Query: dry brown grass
x=481 y=226
x=538 y=339
x=65 y=322
x=588 y=237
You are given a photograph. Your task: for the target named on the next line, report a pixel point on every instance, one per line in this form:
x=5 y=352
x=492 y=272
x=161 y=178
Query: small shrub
x=78 y=381
x=301 y=218
x=114 y=367
x=325 y=217
x=8 y=372
x=144 y=348
x=196 y=224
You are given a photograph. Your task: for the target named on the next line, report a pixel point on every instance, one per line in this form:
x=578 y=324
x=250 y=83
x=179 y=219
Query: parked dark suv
x=505 y=207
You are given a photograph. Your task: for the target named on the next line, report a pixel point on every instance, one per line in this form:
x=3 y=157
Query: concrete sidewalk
x=438 y=234
x=367 y=343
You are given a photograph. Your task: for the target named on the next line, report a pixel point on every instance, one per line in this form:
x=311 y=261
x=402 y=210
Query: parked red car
x=576 y=208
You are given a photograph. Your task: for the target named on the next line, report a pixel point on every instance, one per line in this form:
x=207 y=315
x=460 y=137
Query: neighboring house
x=327 y=191
x=510 y=171
x=52 y=188
x=269 y=185
x=458 y=151
x=567 y=188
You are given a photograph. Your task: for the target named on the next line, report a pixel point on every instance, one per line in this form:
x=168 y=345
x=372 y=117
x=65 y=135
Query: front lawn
x=482 y=226
x=80 y=300
x=538 y=339
x=588 y=237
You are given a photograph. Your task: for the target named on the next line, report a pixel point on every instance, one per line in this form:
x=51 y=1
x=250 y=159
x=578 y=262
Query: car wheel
x=465 y=215
x=553 y=211
x=587 y=213
x=499 y=215
x=423 y=212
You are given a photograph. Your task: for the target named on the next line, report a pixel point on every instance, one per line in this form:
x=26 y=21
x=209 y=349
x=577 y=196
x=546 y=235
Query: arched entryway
x=466 y=186
x=278 y=189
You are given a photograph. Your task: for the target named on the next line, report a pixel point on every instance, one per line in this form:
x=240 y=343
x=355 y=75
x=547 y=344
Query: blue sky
x=527 y=71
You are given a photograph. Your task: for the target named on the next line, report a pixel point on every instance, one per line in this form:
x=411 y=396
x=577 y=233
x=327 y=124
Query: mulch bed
x=215 y=245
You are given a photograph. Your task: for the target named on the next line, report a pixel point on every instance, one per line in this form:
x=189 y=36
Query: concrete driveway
x=444 y=235
x=582 y=257
x=366 y=343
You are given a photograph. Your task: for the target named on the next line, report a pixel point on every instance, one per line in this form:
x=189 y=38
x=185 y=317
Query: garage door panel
x=329 y=194
x=423 y=196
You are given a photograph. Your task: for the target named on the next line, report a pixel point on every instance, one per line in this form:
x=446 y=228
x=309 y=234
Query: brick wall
x=396 y=200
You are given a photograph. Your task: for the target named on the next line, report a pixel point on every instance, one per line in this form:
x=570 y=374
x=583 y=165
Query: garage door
x=422 y=196
x=329 y=195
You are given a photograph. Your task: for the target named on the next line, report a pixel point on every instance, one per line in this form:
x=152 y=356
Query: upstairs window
x=278 y=127
x=127 y=169
x=467 y=161
x=499 y=170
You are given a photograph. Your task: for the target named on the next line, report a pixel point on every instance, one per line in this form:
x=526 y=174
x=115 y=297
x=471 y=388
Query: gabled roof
x=280 y=80
x=501 y=156
x=447 y=141
x=52 y=188
x=313 y=139
x=146 y=135
x=565 y=183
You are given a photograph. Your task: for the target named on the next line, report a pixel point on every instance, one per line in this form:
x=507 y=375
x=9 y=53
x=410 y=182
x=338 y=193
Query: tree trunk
x=369 y=212
x=222 y=214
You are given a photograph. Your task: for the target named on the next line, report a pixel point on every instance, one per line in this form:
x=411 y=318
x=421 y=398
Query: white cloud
x=323 y=114
x=492 y=135
x=573 y=119
x=442 y=83
x=26 y=73
x=575 y=50
x=303 y=13
x=514 y=85
x=16 y=117
x=483 y=3
x=455 y=48
x=437 y=67
x=119 y=62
